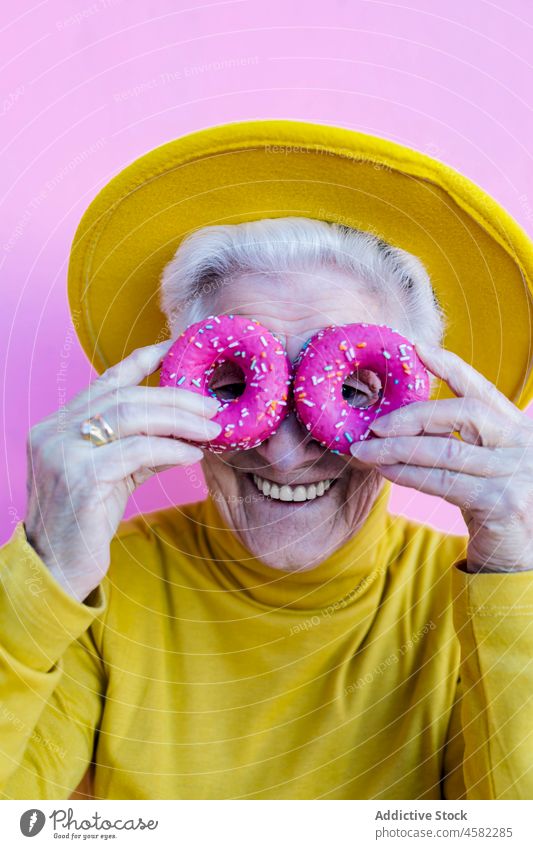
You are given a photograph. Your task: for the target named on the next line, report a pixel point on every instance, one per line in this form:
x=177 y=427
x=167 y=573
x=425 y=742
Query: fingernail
x=211 y=405
x=212 y=429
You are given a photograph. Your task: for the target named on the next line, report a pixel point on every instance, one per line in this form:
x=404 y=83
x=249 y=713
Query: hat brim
x=479 y=260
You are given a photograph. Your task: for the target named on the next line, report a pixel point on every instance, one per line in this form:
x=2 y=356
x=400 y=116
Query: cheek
x=217 y=471
x=362 y=484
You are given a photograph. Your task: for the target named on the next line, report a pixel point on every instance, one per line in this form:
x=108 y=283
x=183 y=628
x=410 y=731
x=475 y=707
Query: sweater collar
x=341 y=578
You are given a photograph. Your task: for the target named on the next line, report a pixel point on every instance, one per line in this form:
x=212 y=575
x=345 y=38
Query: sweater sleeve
x=490 y=738
x=52 y=679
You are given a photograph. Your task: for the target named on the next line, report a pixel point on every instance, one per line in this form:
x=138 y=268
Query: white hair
x=212 y=256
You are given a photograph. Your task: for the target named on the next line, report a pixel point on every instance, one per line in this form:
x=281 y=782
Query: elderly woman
x=286 y=637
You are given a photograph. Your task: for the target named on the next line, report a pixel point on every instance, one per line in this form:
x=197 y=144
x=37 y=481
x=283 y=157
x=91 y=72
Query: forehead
x=295 y=305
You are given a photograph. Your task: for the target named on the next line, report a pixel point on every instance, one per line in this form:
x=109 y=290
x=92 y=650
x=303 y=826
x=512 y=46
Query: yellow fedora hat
x=479 y=260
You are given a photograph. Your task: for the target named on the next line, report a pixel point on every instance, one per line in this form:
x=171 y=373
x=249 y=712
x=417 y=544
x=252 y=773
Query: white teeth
x=299 y=494
x=291 y=493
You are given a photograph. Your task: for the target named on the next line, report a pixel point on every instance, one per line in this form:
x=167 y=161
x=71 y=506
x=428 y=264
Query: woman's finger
x=436 y=453
x=117 y=460
x=129 y=419
x=128 y=372
x=476 y=422
x=147 y=397
x=455 y=487
x=462 y=378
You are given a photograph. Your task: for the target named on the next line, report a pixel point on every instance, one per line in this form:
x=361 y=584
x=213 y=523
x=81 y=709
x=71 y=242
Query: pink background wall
x=89 y=86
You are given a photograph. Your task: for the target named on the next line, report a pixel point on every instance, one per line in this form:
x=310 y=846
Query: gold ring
x=97 y=430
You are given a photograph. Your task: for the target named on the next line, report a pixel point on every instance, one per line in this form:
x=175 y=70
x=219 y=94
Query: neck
x=335 y=578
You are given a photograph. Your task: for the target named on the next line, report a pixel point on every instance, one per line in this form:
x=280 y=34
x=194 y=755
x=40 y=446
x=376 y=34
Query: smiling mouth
x=286 y=492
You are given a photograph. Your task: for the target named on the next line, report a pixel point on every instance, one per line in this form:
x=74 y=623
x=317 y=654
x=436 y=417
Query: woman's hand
x=77 y=491
x=488 y=474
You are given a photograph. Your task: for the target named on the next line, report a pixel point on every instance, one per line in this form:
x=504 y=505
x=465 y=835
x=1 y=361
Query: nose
x=291 y=448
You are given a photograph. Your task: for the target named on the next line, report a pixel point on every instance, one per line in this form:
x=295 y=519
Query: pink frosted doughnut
x=255 y=415
x=328 y=359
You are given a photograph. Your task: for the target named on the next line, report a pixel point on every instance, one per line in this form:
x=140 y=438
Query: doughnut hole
x=362 y=388
x=227 y=383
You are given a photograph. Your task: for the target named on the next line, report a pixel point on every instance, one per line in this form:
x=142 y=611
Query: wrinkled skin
x=295 y=535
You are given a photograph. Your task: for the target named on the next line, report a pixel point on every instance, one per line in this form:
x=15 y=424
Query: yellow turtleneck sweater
x=195 y=671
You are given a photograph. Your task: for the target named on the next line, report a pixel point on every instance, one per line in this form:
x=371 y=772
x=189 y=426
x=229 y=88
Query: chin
x=293 y=527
